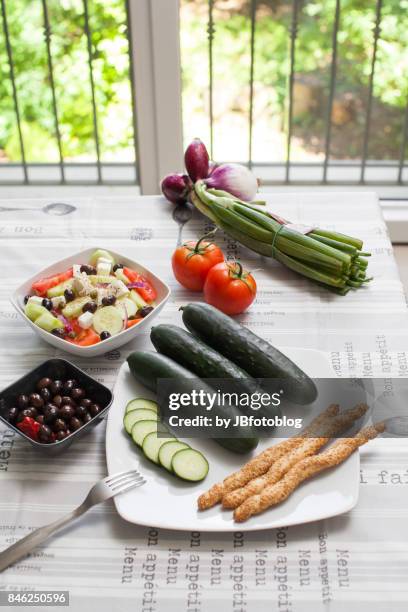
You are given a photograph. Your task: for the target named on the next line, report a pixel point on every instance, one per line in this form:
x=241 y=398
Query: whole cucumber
x=205 y=362
x=148 y=367
x=255 y=355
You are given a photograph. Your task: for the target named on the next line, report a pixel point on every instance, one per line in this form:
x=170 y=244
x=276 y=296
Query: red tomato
x=230 y=288
x=147 y=291
x=41 y=286
x=192 y=261
x=86 y=337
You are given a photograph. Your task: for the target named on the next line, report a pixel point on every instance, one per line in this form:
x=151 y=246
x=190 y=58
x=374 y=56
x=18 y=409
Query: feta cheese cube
x=36 y=299
x=76 y=268
x=104 y=267
x=85 y=320
x=82 y=285
x=119 y=288
x=59 y=301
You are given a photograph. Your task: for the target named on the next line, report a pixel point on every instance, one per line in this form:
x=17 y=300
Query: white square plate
x=163 y=293
x=166 y=502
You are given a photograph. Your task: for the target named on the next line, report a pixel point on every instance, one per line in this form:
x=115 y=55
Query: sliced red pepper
x=132 y=322
x=41 y=286
x=147 y=292
x=30 y=427
x=86 y=337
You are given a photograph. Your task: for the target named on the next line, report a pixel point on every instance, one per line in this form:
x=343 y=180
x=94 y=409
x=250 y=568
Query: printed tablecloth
x=358 y=560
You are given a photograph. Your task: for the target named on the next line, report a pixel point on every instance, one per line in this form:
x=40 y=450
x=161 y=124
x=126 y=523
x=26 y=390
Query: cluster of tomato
x=201 y=266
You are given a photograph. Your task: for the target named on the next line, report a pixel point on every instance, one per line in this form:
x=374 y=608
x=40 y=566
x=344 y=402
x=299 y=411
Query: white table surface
x=358 y=560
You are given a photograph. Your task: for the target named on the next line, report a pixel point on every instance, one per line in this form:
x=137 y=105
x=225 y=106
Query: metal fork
x=100 y=492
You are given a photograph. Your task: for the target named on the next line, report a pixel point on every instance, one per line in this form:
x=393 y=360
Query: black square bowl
x=62 y=370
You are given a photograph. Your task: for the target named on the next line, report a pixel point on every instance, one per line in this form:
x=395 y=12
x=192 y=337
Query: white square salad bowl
x=114 y=342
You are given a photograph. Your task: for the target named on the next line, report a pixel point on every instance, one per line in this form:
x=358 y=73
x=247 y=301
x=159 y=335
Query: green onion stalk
x=331 y=259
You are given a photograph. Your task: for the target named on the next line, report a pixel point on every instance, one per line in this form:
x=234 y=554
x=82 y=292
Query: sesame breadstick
x=278 y=492
x=308 y=447
x=262 y=462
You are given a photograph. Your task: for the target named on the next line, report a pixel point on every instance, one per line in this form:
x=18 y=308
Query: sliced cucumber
x=141 y=402
x=141 y=429
x=152 y=444
x=100 y=253
x=138 y=300
x=141 y=414
x=189 y=464
x=167 y=452
x=95 y=279
x=74 y=309
x=59 y=289
x=108 y=319
x=125 y=302
x=120 y=275
x=48 y=322
x=33 y=310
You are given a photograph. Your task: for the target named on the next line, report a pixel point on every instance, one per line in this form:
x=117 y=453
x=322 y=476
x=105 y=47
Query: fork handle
x=25 y=545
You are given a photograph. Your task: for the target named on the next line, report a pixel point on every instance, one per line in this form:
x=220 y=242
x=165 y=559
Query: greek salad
x=90 y=302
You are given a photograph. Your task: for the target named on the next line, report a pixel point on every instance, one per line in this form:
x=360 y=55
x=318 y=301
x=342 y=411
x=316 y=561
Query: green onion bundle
x=329 y=258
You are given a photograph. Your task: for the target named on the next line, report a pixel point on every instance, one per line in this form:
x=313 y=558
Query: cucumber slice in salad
x=100 y=253
x=142 y=414
x=167 y=452
x=125 y=302
x=74 y=309
x=143 y=428
x=190 y=464
x=48 y=322
x=138 y=300
x=33 y=310
x=152 y=444
x=108 y=319
x=59 y=289
x=141 y=402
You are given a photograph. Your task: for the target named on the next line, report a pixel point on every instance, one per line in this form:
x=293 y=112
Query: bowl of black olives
x=54 y=404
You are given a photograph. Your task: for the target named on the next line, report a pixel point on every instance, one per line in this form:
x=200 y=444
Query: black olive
x=143 y=312
x=66 y=399
x=117 y=267
x=77 y=393
x=59 y=425
x=27 y=297
x=56 y=386
x=45 y=394
x=59 y=332
x=47 y=303
x=60 y=435
x=12 y=414
x=75 y=423
x=94 y=409
x=69 y=384
x=57 y=400
x=51 y=412
x=22 y=401
x=109 y=300
x=81 y=411
x=40 y=418
x=104 y=335
x=36 y=400
x=87 y=269
x=44 y=383
x=44 y=433
x=66 y=412
x=90 y=307
x=27 y=412
x=85 y=402
x=69 y=295
x=87 y=418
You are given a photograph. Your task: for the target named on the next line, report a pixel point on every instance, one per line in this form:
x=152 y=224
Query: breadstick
x=278 y=492
x=262 y=462
x=308 y=447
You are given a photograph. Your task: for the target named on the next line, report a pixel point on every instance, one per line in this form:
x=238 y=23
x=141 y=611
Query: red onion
x=196 y=160
x=235 y=179
x=136 y=285
x=176 y=187
x=67 y=325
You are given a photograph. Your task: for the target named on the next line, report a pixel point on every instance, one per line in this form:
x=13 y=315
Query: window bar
x=14 y=88
x=251 y=80
x=47 y=36
x=293 y=35
x=133 y=87
x=377 y=29
x=332 y=90
x=403 y=146
x=88 y=34
x=211 y=32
